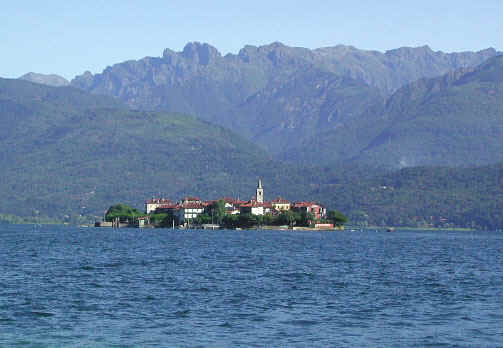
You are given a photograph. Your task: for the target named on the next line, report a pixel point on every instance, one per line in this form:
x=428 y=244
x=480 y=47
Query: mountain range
x=333 y=124
x=452 y=120
x=277 y=96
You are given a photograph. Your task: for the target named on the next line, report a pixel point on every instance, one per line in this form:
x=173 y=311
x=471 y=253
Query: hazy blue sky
x=69 y=37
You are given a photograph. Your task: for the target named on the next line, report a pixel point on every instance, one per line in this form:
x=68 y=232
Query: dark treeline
x=423 y=197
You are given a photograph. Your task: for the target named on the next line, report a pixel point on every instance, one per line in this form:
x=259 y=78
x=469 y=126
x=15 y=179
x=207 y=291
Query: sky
x=69 y=37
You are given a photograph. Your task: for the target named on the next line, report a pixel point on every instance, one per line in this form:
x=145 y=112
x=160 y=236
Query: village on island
x=228 y=213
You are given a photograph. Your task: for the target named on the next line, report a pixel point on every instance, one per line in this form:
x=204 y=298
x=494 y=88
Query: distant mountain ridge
x=386 y=71
x=49 y=80
x=452 y=120
x=261 y=91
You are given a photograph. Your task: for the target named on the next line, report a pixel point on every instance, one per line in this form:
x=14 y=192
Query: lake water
x=64 y=286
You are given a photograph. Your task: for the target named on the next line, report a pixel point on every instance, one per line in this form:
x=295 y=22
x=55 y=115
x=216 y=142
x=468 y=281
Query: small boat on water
x=390 y=229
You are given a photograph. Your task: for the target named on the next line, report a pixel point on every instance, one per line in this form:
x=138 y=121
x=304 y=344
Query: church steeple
x=260 y=192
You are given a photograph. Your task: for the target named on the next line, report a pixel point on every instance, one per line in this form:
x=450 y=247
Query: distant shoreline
x=409 y=228
x=342 y=229
x=346 y=228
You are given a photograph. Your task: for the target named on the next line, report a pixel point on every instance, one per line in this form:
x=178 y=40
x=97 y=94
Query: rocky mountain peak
x=201 y=53
x=273 y=46
x=83 y=81
x=408 y=52
x=248 y=52
x=48 y=80
x=488 y=51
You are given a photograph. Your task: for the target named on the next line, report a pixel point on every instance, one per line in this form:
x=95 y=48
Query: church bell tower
x=260 y=192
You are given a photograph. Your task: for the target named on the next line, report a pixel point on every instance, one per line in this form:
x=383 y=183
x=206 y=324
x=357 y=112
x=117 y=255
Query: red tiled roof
x=167 y=206
x=303 y=204
x=253 y=204
x=306 y=204
x=192 y=206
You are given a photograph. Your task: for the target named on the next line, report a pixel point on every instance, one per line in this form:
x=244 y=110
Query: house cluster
x=190 y=207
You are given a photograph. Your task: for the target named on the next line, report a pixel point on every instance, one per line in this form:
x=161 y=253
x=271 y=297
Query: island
x=227 y=213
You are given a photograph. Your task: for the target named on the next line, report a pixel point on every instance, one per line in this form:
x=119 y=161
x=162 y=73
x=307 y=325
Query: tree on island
x=163 y=219
x=337 y=218
x=305 y=219
x=216 y=211
x=288 y=217
x=202 y=219
x=268 y=219
x=247 y=220
x=213 y=214
x=230 y=221
x=123 y=212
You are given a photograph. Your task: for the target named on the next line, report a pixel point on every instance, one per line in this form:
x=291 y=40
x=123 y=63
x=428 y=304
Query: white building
x=189 y=211
x=154 y=203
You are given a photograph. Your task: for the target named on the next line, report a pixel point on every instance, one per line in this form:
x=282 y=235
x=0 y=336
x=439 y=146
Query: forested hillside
x=70 y=153
x=419 y=196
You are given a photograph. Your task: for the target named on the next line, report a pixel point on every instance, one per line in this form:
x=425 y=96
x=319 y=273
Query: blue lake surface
x=87 y=287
